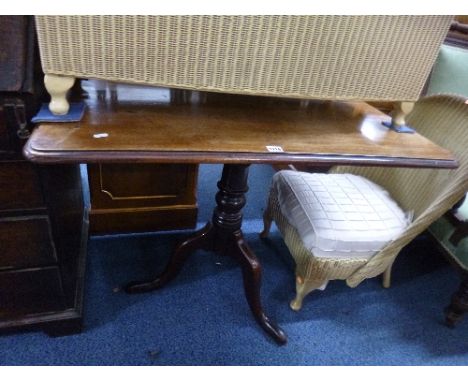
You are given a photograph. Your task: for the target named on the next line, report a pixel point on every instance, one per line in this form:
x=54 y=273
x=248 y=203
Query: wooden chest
x=43 y=224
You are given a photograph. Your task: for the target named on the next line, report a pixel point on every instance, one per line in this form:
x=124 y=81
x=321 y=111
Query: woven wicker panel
x=307 y=265
x=429 y=193
x=326 y=57
x=420 y=190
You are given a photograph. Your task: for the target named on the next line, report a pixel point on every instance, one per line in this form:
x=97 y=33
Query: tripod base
x=222 y=236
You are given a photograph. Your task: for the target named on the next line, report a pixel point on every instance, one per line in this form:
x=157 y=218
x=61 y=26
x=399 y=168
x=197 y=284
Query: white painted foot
x=296 y=304
x=400 y=111
x=266 y=225
x=303 y=288
x=58 y=87
x=387 y=277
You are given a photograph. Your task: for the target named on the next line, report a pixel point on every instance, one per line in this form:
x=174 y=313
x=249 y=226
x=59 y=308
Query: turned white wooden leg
x=387 y=277
x=266 y=224
x=303 y=288
x=58 y=87
x=400 y=111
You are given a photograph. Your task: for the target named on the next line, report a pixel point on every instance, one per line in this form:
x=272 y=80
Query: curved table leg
x=458 y=305
x=223 y=236
x=251 y=271
x=201 y=239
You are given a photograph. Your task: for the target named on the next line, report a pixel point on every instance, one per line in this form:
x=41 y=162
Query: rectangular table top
x=183 y=127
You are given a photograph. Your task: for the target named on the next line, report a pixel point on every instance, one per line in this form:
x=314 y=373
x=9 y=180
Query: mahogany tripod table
x=236 y=131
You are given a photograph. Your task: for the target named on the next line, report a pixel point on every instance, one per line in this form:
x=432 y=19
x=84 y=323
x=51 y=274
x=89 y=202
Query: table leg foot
x=458 y=305
x=251 y=271
x=200 y=240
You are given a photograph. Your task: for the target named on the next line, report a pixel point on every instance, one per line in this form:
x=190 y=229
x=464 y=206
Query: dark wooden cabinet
x=42 y=256
x=129 y=197
x=139 y=197
x=43 y=223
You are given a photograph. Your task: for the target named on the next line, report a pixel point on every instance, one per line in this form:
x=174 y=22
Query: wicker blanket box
x=367 y=58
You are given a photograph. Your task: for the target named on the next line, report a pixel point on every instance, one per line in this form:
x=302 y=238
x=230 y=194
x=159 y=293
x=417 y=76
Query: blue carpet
x=202 y=317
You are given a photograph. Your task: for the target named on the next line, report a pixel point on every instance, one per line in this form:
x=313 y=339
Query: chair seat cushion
x=339 y=215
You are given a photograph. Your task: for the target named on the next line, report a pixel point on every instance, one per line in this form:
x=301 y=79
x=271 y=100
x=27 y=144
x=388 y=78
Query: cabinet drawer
x=19 y=186
x=26 y=242
x=29 y=291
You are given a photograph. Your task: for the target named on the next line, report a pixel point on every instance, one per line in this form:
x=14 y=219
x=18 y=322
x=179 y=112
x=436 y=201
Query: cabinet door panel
x=142 y=197
x=26 y=242
x=142 y=185
x=19 y=186
x=30 y=291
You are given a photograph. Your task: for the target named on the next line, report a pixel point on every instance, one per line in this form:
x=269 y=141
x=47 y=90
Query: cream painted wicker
x=429 y=193
x=323 y=57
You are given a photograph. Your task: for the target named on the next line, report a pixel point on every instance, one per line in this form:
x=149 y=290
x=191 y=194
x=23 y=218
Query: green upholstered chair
x=450 y=75
x=450 y=72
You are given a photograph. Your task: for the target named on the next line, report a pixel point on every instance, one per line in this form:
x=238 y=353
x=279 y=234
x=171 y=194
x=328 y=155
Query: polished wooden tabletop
x=129 y=123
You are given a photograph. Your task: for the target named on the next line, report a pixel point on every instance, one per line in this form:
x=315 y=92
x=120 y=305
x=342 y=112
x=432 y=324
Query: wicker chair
x=450 y=75
x=427 y=193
